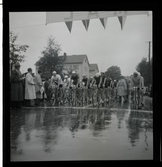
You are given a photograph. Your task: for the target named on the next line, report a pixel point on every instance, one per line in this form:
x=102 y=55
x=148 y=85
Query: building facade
x=78 y=63
x=93 y=69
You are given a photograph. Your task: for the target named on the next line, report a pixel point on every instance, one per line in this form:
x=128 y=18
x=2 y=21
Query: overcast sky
x=106 y=47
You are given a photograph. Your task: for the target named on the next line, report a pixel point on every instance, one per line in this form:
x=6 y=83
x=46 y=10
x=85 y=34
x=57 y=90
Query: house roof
x=74 y=59
x=93 y=67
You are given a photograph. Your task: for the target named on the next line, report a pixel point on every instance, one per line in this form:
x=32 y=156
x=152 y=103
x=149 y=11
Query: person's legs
x=140 y=97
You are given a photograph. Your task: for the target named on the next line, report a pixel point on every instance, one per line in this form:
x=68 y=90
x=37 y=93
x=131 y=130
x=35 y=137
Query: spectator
x=142 y=87
x=16 y=87
x=38 y=86
x=30 y=88
x=46 y=86
x=121 y=89
x=115 y=89
x=23 y=84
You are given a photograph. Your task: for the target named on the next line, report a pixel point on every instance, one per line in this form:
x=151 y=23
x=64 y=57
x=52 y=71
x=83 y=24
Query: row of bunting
x=103 y=22
x=69 y=17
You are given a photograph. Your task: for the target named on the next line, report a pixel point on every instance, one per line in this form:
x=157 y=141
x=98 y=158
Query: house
x=93 y=69
x=79 y=63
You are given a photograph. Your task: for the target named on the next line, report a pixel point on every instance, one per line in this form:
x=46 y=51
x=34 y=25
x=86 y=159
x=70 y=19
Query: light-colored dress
x=121 y=88
x=29 y=87
x=38 y=85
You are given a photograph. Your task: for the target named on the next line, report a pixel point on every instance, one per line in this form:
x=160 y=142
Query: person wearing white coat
x=30 y=88
x=122 y=89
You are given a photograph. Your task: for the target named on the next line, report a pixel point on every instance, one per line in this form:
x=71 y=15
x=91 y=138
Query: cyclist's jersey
x=103 y=78
x=91 y=82
x=85 y=80
x=112 y=85
x=66 y=82
x=136 y=81
x=115 y=84
x=56 y=80
x=97 y=80
x=75 y=79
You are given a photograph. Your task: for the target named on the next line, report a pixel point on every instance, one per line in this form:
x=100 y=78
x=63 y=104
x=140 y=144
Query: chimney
x=65 y=55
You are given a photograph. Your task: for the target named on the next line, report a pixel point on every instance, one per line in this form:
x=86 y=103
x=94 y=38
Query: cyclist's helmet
x=91 y=77
x=135 y=73
x=84 y=75
x=73 y=72
x=97 y=74
x=66 y=77
x=54 y=72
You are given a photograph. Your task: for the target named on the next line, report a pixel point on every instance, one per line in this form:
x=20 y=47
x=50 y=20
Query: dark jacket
x=16 y=86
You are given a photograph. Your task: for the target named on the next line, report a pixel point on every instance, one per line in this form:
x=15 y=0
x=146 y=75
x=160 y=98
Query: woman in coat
x=30 y=88
x=122 y=89
x=16 y=87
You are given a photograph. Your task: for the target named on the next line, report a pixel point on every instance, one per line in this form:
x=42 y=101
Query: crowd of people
x=30 y=88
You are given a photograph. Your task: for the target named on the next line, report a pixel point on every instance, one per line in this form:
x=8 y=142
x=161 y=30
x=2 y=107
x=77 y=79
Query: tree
x=113 y=72
x=51 y=61
x=143 y=68
x=16 y=50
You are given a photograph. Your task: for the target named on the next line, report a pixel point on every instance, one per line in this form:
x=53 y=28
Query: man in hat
x=16 y=87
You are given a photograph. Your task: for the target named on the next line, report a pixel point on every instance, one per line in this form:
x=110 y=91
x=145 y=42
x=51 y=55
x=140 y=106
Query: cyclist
x=74 y=82
x=112 y=86
x=142 y=87
x=90 y=84
x=66 y=86
x=136 y=82
x=103 y=88
x=98 y=81
x=66 y=82
x=56 y=83
x=85 y=86
x=85 y=80
x=108 y=88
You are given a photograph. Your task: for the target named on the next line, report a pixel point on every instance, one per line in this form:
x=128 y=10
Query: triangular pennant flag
x=104 y=21
x=122 y=20
x=69 y=25
x=86 y=23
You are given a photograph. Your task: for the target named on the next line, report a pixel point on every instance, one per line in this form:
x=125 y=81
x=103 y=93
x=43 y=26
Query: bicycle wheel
x=98 y=100
x=74 y=97
x=52 y=99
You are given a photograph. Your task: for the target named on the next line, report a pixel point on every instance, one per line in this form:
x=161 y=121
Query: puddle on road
x=80 y=134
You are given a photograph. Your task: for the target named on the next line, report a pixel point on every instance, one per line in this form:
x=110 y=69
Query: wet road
x=114 y=132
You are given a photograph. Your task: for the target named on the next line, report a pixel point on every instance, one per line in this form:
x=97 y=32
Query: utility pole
x=149 y=70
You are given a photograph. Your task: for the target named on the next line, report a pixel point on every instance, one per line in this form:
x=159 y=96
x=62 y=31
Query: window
x=76 y=67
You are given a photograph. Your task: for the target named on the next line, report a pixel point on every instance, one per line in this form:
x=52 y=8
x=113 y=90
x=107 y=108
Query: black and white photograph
x=81 y=85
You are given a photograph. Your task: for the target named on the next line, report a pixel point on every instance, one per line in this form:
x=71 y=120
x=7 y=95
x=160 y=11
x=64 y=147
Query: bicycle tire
x=53 y=100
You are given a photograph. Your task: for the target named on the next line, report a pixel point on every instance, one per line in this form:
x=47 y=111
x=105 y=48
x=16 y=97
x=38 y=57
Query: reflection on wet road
x=112 y=133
